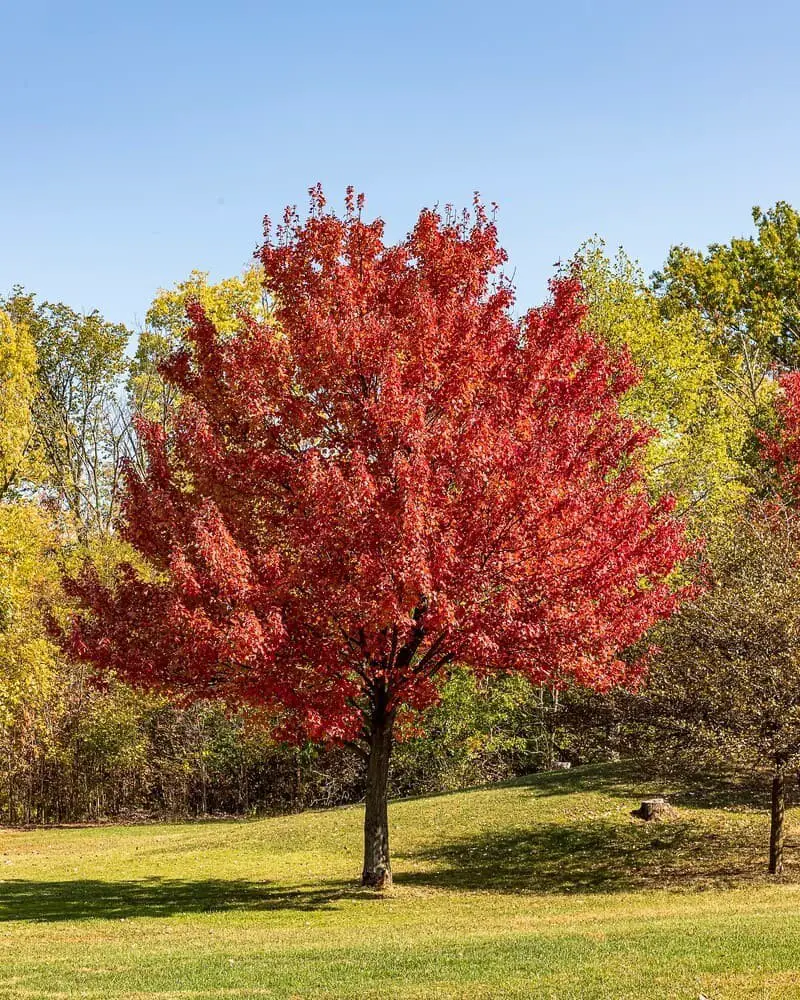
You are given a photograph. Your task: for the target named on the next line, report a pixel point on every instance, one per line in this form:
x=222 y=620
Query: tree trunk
x=377 y=870
x=776 y=831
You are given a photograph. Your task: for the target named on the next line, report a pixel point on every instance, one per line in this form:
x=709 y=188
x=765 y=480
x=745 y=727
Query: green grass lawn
x=541 y=888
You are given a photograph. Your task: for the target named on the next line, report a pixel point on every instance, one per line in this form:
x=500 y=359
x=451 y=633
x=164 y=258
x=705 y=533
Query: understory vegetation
x=117 y=754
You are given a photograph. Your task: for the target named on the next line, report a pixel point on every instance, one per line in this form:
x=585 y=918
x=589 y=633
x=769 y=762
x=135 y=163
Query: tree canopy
x=698 y=453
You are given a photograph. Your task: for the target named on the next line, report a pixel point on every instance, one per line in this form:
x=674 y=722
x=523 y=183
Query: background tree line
x=711 y=332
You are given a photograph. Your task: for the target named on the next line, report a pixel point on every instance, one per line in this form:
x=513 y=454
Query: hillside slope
x=545 y=887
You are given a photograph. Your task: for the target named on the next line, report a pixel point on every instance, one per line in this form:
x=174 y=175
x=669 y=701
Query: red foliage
x=392 y=475
x=783 y=447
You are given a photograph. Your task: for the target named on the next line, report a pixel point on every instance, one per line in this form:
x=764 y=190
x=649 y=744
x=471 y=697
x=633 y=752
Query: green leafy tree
x=747 y=290
x=747 y=295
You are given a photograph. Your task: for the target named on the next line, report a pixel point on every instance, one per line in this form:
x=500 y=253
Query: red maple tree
x=391 y=476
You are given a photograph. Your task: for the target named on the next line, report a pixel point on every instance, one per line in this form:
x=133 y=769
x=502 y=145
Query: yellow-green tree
x=30 y=579
x=17 y=392
x=165 y=324
x=697 y=454
x=28 y=572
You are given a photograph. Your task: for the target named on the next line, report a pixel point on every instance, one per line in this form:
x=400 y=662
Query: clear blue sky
x=141 y=140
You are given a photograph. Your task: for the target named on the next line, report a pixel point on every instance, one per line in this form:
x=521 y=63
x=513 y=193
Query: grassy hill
x=540 y=888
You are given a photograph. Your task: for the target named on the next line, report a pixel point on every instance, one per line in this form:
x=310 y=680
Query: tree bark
x=776 y=831
x=377 y=871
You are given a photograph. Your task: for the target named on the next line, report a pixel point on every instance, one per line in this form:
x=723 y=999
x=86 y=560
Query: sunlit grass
x=544 y=888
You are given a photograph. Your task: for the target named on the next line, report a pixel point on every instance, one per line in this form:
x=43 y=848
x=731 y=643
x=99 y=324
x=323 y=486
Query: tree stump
x=652 y=809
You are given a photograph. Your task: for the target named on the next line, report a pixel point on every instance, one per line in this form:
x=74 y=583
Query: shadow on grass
x=683 y=785
x=593 y=856
x=84 y=899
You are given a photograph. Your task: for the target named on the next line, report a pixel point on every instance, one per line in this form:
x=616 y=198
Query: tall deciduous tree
x=82 y=430
x=388 y=476
x=28 y=571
